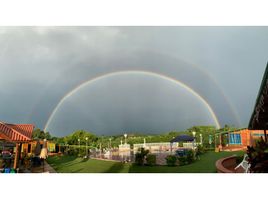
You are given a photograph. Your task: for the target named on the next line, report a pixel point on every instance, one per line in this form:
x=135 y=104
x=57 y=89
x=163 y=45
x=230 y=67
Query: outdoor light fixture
x=79 y=145
x=201 y=139
x=125 y=135
x=86 y=147
x=194 y=133
x=194 y=138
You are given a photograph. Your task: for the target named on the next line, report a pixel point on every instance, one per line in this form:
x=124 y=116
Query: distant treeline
x=93 y=140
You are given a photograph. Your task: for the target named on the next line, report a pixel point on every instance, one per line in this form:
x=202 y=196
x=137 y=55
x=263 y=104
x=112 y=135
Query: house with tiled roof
x=18 y=134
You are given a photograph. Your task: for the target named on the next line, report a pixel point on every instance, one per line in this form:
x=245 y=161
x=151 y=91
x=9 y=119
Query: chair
x=244 y=164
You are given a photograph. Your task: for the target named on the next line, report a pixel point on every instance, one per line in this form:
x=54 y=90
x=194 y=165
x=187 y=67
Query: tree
x=140 y=156
x=39 y=134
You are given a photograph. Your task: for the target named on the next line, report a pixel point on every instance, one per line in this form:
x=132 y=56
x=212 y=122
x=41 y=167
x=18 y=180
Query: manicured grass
x=71 y=164
x=206 y=164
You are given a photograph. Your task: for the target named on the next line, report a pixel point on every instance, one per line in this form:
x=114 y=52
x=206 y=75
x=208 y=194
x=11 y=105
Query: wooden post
x=215 y=141
x=265 y=136
x=16 y=156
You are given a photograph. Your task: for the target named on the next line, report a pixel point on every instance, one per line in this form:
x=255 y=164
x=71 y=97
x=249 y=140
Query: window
x=234 y=138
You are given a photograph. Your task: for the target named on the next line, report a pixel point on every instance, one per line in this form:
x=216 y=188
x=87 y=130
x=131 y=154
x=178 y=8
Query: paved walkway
x=43 y=169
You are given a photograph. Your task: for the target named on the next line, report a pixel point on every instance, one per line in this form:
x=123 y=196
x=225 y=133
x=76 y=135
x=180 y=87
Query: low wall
x=226 y=165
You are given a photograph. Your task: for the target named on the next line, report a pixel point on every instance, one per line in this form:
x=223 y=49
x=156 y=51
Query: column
x=17 y=155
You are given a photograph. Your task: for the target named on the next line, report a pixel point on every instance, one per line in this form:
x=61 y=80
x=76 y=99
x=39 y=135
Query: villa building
x=258 y=123
x=238 y=139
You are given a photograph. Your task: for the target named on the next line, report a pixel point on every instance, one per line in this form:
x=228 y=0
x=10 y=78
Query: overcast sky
x=40 y=65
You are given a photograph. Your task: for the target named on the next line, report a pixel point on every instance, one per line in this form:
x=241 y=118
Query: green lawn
x=71 y=164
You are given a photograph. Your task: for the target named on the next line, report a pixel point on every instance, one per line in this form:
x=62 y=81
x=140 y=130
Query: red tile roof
x=16 y=132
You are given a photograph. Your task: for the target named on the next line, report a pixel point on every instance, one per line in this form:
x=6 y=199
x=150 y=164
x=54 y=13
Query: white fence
x=161 y=146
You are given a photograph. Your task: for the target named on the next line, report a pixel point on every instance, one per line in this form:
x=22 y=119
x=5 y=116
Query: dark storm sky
x=40 y=65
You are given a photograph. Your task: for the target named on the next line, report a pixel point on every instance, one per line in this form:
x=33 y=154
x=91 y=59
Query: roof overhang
x=16 y=132
x=230 y=131
x=259 y=117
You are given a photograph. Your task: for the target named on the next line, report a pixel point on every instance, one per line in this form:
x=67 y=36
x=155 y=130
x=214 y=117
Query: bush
x=151 y=159
x=139 y=159
x=258 y=156
x=190 y=156
x=200 y=150
x=182 y=160
x=140 y=156
x=171 y=160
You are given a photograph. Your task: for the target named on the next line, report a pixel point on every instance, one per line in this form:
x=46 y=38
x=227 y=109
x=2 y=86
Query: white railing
x=160 y=144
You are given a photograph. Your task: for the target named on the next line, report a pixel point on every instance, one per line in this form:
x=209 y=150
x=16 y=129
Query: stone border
x=226 y=165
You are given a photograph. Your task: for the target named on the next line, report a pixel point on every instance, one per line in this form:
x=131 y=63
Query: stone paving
x=43 y=169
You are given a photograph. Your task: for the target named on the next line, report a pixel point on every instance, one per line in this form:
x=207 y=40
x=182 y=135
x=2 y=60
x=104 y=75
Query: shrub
x=182 y=160
x=190 y=156
x=151 y=159
x=171 y=160
x=200 y=150
x=258 y=156
x=140 y=156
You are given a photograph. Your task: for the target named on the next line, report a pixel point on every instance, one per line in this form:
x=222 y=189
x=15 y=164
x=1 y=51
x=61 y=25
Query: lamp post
x=125 y=135
x=79 y=145
x=110 y=139
x=201 y=139
x=194 y=138
x=216 y=141
x=86 y=147
x=144 y=142
x=210 y=140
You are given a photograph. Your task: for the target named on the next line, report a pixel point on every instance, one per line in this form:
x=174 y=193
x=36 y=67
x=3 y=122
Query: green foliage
x=239 y=159
x=200 y=150
x=171 y=160
x=151 y=159
x=190 y=155
x=95 y=141
x=140 y=156
x=72 y=164
x=39 y=134
x=258 y=156
x=188 y=158
x=182 y=160
x=81 y=135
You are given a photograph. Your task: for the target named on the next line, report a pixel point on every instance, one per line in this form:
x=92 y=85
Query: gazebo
x=18 y=134
x=183 y=138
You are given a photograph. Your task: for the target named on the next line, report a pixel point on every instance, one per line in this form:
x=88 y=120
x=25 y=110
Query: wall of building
x=248 y=137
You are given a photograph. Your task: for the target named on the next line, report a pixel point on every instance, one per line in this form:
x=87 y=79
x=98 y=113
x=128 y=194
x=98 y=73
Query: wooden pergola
x=259 y=117
x=18 y=134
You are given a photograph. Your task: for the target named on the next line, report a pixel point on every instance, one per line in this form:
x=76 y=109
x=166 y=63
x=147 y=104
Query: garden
x=74 y=164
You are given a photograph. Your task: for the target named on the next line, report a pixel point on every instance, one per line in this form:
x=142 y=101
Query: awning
x=183 y=138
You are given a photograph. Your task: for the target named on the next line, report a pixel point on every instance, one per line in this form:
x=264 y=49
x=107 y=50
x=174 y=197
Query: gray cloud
x=39 y=65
